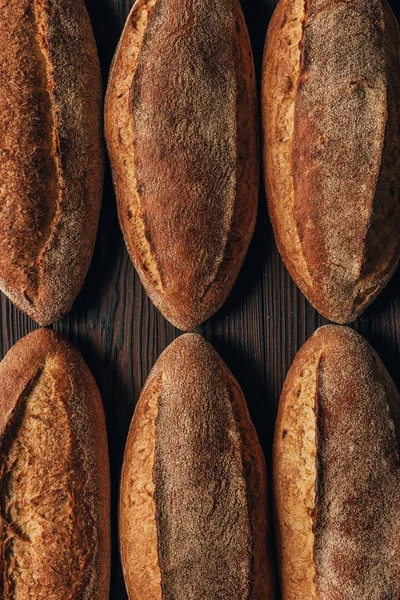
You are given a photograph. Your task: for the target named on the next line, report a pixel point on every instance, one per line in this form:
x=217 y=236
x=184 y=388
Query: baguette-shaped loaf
x=336 y=473
x=51 y=155
x=54 y=475
x=331 y=116
x=193 y=515
x=181 y=130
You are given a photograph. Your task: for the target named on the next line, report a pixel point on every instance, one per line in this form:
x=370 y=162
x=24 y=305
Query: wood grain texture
x=257 y=332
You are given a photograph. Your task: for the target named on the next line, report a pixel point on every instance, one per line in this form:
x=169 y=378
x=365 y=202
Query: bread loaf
x=193 y=517
x=331 y=116
x=336 y=473
x=181 y=130
x=54 y=475
x=51 y=156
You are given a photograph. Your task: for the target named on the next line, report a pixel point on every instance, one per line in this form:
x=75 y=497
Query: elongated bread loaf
x=331 y=116
x=54 y=475
x=193 y=515
x=51 y=155
x=181 y=130
x=336 y=473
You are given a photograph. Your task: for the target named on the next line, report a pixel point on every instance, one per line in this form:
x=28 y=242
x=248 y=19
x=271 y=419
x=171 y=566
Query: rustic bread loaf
x=336 y=473
x=51 y=156
x=54 y=475
x=331 y=116
x=181 y=130
x=193 y=515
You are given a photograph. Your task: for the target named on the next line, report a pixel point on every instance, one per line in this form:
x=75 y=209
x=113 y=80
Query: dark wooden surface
x=257 y=332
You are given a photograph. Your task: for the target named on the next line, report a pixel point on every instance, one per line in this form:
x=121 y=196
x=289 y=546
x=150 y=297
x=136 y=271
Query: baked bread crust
x=54 y=475
x=331 y=115
x=184 y=150
x=193 y=515
x=51 y=154
x=336 y=473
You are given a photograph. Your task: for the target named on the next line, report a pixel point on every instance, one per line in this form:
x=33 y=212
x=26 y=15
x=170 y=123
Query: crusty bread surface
x=336 y=476
x=181 y=130
x=51 y=154
x=193 y=515
x=331 y=116
x=54 y=475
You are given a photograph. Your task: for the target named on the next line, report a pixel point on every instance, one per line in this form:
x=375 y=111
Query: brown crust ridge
x=331 y=116
x=184 y=151
x=54 y=476
x=338 y=429
x=51 y=167
x=194 y=485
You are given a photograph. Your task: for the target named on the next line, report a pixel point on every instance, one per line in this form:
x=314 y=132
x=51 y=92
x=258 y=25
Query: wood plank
x=257 y=332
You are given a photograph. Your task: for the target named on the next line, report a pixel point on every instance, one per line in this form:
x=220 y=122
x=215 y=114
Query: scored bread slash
x=54 y=474
x=181 y=129
x=336 y=473
x=331 y=122
x=193 y=501
x=51 y=153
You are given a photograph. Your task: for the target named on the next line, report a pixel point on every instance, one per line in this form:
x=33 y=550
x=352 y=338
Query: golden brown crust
x=194 y=485
x=55 y=490
x=294 y=475
x=51 y=168
x=137 y=525
x=184 y=152
x=331 y=114
x=338 y=429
